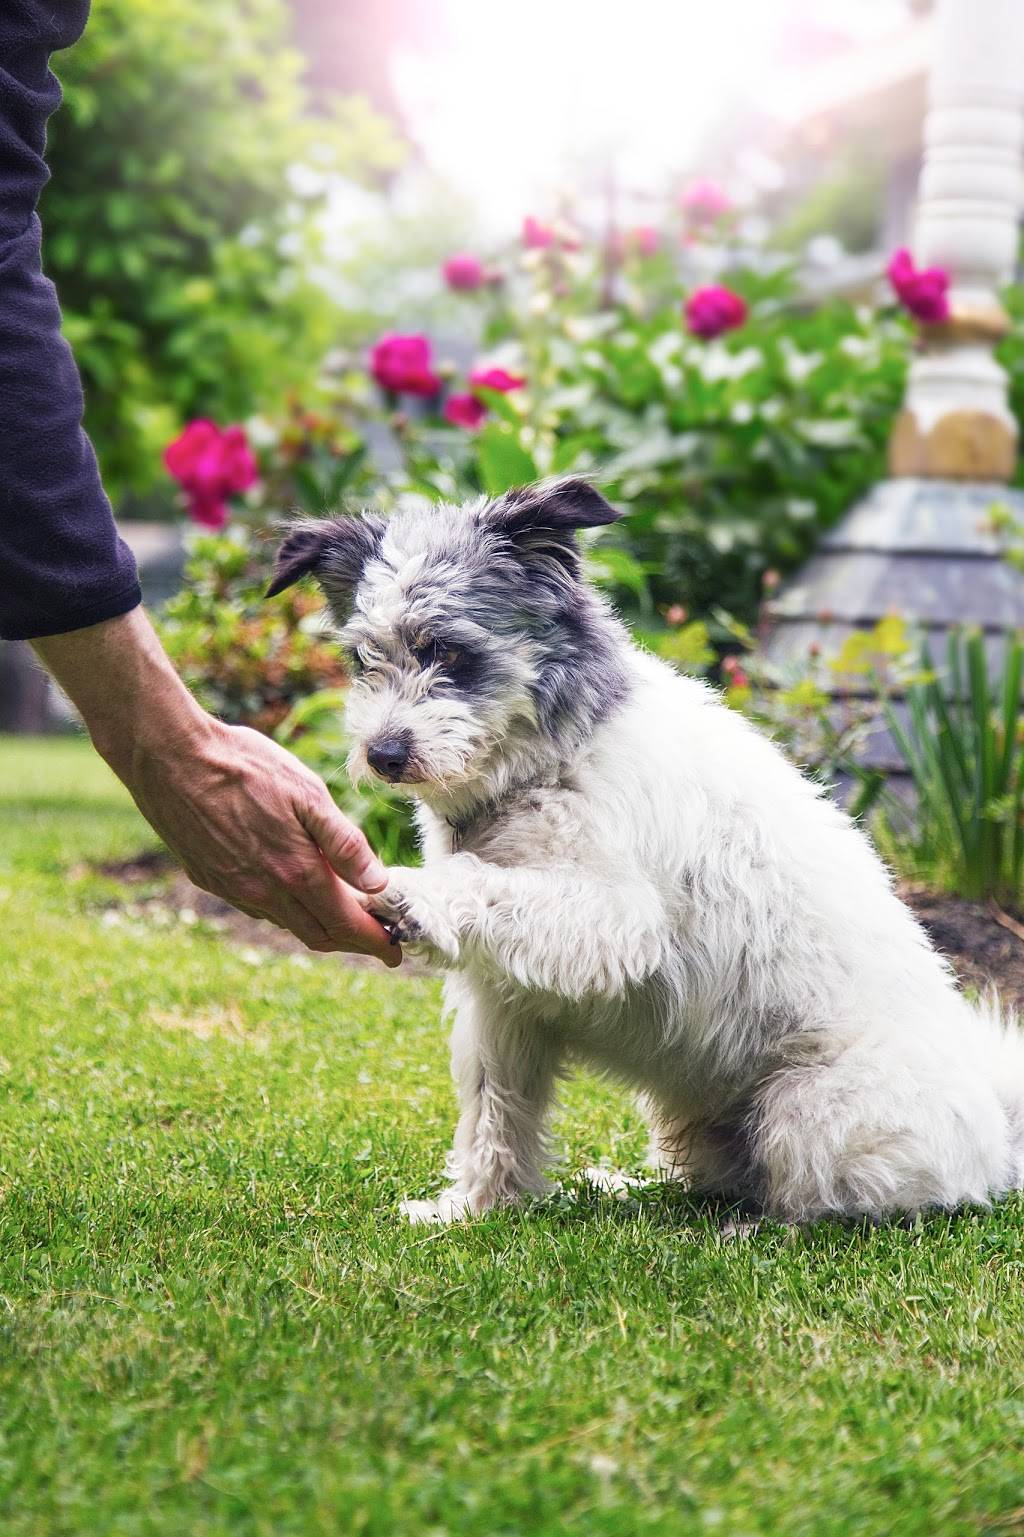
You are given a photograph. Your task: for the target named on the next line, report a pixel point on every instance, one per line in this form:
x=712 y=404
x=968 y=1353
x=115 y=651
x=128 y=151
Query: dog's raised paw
x=412 y=915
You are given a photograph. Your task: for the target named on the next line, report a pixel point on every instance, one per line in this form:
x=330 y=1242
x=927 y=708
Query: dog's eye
x=437 y=653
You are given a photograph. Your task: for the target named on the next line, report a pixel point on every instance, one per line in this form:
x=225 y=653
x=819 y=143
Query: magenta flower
x=924 y=291
x=464 y=411
x=704 y=201
x=210 y=464
x=710 y=311
x=537 y=236
x=496 y=379
x=464 y=272
x=402 y=364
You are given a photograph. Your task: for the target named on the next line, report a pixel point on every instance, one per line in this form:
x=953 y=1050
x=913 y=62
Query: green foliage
x=963 y=742
x=805 y=707
x=727 y=457
x=845 y=204
x=182 y=243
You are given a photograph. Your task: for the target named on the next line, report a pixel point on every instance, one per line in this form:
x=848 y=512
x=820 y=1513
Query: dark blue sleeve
x=62 y=565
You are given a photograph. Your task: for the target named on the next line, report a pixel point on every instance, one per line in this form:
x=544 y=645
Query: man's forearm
x=120 y=679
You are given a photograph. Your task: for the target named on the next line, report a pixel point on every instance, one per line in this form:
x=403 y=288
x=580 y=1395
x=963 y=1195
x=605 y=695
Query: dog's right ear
x=335 y=550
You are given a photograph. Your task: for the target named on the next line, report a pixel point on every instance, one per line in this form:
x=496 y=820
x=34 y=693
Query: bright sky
x=512 y=99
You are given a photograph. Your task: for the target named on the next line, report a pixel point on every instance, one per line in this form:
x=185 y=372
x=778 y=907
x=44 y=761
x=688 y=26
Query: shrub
x=180 y=239
x=249 y=660
x=728 y=456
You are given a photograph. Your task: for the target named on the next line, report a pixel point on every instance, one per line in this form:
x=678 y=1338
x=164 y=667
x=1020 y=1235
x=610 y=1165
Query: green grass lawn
x=213 y=1321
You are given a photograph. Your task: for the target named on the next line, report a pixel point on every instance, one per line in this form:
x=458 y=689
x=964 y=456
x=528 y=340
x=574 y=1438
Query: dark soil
x=983 y=950
x=155 y=881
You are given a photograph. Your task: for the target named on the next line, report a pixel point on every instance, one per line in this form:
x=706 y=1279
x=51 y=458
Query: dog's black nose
x=389 y=755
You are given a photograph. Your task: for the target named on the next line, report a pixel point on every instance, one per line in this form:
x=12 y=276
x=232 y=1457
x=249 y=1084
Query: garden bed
x=979 y=938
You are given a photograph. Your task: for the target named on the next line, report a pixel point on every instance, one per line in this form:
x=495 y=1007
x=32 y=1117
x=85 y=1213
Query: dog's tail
x=1003 y=1044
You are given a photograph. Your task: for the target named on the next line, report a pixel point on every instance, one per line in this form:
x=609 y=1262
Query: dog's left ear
x=335 y=549
x=552 y=506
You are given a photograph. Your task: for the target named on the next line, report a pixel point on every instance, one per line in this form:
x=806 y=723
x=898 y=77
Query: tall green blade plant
x=963 y=744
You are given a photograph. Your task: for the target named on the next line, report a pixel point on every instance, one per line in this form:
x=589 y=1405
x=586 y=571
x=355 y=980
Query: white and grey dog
x=619 y=870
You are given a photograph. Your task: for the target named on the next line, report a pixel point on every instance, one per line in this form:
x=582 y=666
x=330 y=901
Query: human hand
x=249 y=822
x=253 y=825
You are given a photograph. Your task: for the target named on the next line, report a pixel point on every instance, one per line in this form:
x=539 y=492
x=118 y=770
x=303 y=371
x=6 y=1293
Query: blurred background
x=239 y=189
x=314 y=255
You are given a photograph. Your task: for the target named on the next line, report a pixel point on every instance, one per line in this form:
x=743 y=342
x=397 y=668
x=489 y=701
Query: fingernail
x=374 y=877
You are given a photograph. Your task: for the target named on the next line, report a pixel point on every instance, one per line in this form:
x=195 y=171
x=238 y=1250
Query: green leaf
x=503 y=461
x=499 y=404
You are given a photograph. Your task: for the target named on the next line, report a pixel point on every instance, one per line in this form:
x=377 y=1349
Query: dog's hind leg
x=709 y=1158
x=505 y=1070
x=880 y=1130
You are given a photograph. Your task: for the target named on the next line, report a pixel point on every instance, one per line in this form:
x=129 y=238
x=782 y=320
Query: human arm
x=62 y=565
x=247 y=819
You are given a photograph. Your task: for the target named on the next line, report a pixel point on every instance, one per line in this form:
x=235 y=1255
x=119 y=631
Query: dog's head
x=469 y=628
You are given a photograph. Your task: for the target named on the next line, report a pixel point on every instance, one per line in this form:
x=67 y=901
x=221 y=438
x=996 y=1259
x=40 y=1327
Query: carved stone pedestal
x=919 y=548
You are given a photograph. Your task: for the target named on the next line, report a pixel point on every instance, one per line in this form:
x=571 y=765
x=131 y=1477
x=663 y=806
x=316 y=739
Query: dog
x=619 y=870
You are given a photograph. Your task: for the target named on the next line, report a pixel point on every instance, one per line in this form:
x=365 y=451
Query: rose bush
x=730 y=431
x=728 y=451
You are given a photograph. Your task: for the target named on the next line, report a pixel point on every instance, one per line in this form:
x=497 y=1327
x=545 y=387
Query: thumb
x=344 y=846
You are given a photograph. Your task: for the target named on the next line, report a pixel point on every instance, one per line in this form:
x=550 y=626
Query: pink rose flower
x=537 y=236
x=464 y=411
x=464 y=272
x=210 y=464
x=496 y=379
x=401 y=364
x=924 y=291
x=710 y=311
x=644 y=240
x=704 y=201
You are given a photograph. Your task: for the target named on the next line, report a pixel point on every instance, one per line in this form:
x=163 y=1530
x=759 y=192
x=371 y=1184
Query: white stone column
x=956 y=422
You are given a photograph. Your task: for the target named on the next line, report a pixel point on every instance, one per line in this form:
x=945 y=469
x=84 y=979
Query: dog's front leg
x=505 y=1069
x=560 y=930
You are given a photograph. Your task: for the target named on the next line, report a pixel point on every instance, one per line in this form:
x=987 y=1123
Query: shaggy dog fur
x=621 y=871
